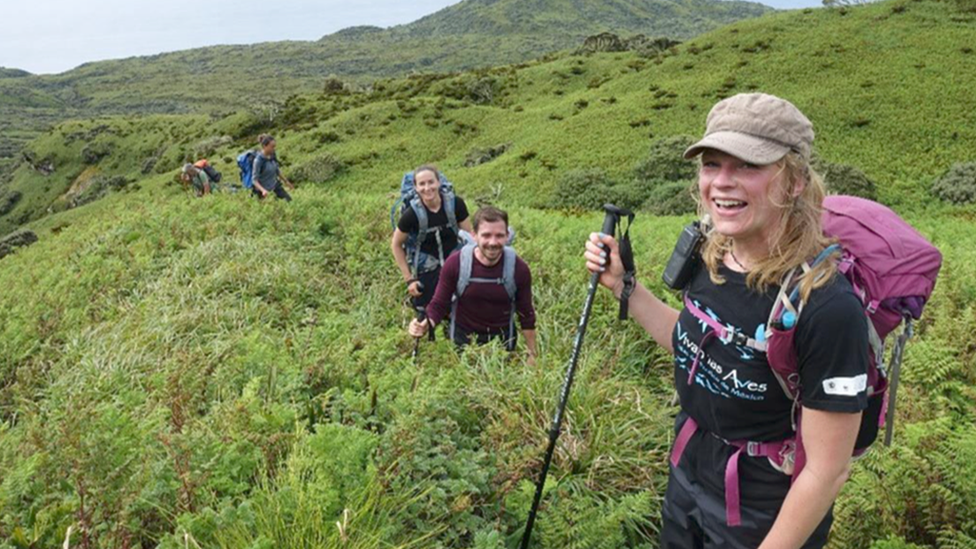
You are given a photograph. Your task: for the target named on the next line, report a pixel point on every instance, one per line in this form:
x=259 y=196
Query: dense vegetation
x=221 y=79
x=178 y=372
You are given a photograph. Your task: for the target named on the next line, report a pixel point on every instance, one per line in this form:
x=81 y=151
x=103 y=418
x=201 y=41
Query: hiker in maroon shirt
x=498 y=289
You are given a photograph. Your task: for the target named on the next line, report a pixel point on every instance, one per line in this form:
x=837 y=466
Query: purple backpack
x=892 y=269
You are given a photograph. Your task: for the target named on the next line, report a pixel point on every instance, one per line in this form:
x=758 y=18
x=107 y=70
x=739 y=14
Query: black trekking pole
x=421 y=313
x=421 y=317
x=613 y=215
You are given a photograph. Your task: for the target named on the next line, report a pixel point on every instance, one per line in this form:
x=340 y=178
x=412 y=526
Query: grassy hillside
x=470 y=34
x=898 y=112
x=232 y=374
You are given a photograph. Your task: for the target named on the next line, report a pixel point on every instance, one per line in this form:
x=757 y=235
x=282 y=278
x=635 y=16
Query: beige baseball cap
x=756 y=127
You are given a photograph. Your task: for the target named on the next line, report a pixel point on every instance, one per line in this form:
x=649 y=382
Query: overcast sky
x=51 y=36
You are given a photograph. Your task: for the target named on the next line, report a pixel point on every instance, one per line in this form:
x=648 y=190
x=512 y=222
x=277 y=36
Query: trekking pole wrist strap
x=630 y=283
x=627 y=259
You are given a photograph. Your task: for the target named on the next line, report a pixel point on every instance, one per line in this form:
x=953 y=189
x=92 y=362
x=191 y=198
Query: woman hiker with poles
x=730 y=477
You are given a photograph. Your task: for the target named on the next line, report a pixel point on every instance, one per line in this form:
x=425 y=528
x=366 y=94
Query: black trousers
x=279 y=192
x=693 y=513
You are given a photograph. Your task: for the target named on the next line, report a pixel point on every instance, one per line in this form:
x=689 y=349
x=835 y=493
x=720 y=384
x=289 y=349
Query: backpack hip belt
x=780 y=454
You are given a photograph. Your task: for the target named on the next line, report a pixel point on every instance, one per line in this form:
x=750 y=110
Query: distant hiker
x=427 y=231
x=198 y=179
x=245 y=162
x=212 y=173
x=483 y=288
x=736 y=444
x=266 y=173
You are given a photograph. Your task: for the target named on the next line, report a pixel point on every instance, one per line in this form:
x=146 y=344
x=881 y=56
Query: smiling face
x=428 y=187
x=741 y=197
x=491 y=237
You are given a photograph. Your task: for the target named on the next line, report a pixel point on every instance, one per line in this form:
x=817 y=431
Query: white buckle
x=752 y=448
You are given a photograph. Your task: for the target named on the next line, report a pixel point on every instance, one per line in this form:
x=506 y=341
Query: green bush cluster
x=207 y=147
x=662 y=183
x=94 y=152
x=957 y=185
x=8 y=200
x=665 y=162
x=319 y=169
x=848 y=180
x=671 y=198
x=16 y=240
x=484 y=155
x=583 y=189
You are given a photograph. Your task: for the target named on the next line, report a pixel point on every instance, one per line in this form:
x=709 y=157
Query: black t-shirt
x=735 y=394
x=408 y=223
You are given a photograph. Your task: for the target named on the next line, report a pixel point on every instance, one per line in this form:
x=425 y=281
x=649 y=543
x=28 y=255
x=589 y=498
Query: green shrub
x=481 y=155
x=8 y=201
x=333 y=84
x=671 y=198
x=583 y=189
x=93 y=153
x=958 y=185
x=846 y=179
x=629 y=195
x=208 y=146
x=16 y=240
x=482 y=91
x=665 y=162
x=590 y=189
x=318 y=170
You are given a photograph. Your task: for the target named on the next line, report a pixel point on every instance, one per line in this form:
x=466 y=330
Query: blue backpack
x=245 y=161
x=421 y=262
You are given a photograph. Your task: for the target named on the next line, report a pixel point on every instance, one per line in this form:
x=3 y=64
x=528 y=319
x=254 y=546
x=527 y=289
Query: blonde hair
x=797 y=238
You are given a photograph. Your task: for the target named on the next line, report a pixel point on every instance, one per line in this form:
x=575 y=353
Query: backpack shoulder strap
x=394 y=210
x=464 y=273
x=448 y=199
x=508 y=272
x=423 y=223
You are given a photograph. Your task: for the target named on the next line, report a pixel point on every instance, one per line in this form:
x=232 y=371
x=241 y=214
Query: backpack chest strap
x=727 y=333
x=479 y=280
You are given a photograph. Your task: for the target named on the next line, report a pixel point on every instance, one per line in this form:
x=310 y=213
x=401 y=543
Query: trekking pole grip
x=610 y=218
x=422 y=317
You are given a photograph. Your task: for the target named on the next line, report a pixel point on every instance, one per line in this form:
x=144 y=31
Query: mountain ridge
x=223 y=78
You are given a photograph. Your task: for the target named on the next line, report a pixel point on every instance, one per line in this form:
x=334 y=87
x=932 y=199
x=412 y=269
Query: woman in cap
x=731 y=480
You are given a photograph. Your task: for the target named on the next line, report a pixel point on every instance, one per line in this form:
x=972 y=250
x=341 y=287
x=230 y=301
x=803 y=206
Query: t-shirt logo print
x=719 y=379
